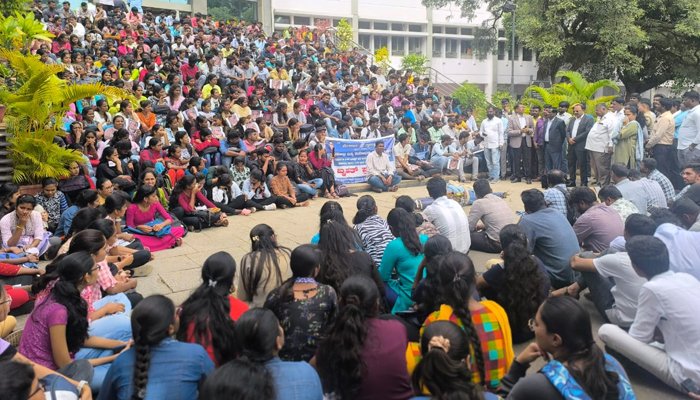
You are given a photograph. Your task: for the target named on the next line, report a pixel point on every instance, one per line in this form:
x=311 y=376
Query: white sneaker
x=270 y=207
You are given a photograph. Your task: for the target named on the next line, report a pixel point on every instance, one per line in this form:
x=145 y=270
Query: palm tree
x=574 y=89
x=36 y=106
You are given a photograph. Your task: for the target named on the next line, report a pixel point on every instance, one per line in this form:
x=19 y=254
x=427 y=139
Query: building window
x=437 y=47
x=380 y=41
x=398 y=47
x=501 y=50
x=466 y=49
x=398 y=27
x=336 y=22
x=381 y=26
x=302 y=20
x=415 y=45
x=364 y=40
x=467 y=31
x=501 y=33
x=451 y=48
x=527 y=54
x=510 y=56
x=451 y=30
x=283 y=19
x=437 y=28
x=415 y=28
x=364 y=24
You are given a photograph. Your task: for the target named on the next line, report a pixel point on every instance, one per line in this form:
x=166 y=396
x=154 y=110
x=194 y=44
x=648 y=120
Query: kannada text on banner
x=350 y=160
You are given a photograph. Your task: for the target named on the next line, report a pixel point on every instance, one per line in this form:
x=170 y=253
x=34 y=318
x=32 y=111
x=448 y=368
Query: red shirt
x=238 y=307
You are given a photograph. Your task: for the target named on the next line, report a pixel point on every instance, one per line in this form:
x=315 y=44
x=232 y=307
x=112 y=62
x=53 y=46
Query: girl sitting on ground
x=282 y=187
x=229 y=197
x=149 y=221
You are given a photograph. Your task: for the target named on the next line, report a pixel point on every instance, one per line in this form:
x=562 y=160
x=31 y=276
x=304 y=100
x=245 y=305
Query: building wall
x=406 y=26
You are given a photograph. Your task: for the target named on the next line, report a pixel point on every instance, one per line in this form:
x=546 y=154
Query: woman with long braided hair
x=157 y=366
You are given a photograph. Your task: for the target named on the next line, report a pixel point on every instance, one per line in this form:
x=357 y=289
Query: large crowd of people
x=224 y=121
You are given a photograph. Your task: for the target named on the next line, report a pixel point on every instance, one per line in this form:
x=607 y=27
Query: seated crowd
x=226 y=121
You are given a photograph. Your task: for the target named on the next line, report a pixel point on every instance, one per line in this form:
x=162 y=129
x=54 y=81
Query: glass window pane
x=415 y=28
x=397 y=46
x=467 y=31
x=382 y=26
x=302 y=20
x=437 y=28
x=451 y=50
x=501 y=50
x=380 y=41
x=364 y=40
x=527 y=54
x=437 y=47
x=397 y=27
x=283 y=19
x=415 y=45
x=363 y=24
x=466 y=49
x=451 y=30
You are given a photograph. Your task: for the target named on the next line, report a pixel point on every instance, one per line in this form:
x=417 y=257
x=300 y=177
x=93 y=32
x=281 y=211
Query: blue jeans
x=374 y=181
x=306 y=187
x=440 y=162
x=332 y=131
x=493 y=162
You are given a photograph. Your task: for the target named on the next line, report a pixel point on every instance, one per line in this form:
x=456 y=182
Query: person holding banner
x=382 y=173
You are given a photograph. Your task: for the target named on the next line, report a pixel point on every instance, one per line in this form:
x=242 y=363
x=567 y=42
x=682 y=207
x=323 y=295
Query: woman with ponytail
x=260 y=337
x=304 y=306
x=363 y=356
x=207 y=316
x=575 y=366
x=402 y=256
x=485 y=322
x=373 y=229
x=157 y=366
x=58 y=326
x=442 y=371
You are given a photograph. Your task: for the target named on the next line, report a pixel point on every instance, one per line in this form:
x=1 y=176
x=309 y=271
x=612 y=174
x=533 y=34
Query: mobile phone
x=691 y=387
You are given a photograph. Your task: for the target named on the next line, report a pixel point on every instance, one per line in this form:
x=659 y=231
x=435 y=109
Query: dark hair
x=582 y=194
x=664 y=216
x=648 y=254
x=567 y=318
x=7 y=190
x=256 y=333
x=620 y=170
x=150 y=324
x=90 y=241
x=456 y=280
x=533 y=200
x=48 y=181
x=105 y=226
x=437 y=187
x=26 y=199
x=366 y=207
x=263 y=255
x=482 y=188
x=179 y=189
x=83 y=218
x=649 y=163
x=434 y=249
x=304 y=261
x=115 y=201
x=85 y=197
x=639 y=224
x=339 y=356
x=403 y=226
x=441 y=371
x=239 y=379
x=610 y=191
x=205 y=316
x=336 y=240
x=143 y=192
x=67 y=271
x=16 y=380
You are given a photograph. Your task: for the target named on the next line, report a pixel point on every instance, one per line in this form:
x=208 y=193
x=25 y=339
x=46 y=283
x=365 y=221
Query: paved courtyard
x=176 y=272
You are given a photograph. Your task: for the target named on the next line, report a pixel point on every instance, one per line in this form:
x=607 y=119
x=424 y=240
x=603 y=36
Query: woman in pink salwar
x=150 y=222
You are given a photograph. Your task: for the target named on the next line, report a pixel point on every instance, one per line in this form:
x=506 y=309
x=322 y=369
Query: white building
x=406 y=26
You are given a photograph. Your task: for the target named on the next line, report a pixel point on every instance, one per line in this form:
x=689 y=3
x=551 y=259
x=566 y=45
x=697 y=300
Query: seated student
x=240 y=379
x=148 y=177
x=230 y=148
x=492 y=213
x=442 y=152
x=485 y=322
x=556 y=195
x=519 y=283
x=52 y=200
x=668 y=303
x=372 y=229
x=24 y=228
x=401 y=258
x=77 y=181
x=150 y=223
x=9 y=193
x=207 y=316
x=146 y=369
x=322 y=162
x=363 y=357
x=448 y=216
x=466 y=157
x=304 y=176
x=332 y=211
x=58 y=326
x=207 y=146
x=577 y=367
x=154 y=155
x=616 y=301
x=550 y=237
x=86 y=198
x=423 y=226
x=191 y=207
x=259 y=196
x=688 y=212
x=239 y=171
x=441 y=372
x=402 y=153
x=19 y=381
x=227 y=196
x=304 y=307
x=611 y=196
x=261 y=338
x=282 y=187
x=682 y=245
x=381 y=172
x=656 y=198
x=596 y=225
x=264 y=268
x=633 y=191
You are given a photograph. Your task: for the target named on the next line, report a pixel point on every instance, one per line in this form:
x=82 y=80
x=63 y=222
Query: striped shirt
x=664 y=182
x=449 y=218
x=656 y=198
x=375 y=235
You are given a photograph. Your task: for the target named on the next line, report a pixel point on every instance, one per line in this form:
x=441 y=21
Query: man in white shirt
x=371 y=131
x=492 y=132
x=381 y=172
x=689 y=132
x=599 y=144
x=448 y=216
x=668 y=304
x=442 y=153
x=633 y=191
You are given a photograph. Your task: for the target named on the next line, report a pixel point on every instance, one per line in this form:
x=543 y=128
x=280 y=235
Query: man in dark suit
x=576 y=134
x=554 y=136
x=521 y=129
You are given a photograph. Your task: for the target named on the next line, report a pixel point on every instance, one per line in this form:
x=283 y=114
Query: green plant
x=471 y=96
x=343 y=35
x=17 y=32
x=36 y=106
x=574 y=89
x=415 y=62
x=497 y=97
x=9 y=7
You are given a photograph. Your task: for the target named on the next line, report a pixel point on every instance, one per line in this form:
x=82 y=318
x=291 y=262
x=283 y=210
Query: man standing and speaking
x=576 y=135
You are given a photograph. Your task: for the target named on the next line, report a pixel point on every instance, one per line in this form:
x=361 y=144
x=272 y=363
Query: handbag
x=163 y=232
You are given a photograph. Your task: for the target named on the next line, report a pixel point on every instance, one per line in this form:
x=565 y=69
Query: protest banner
x=350 y=160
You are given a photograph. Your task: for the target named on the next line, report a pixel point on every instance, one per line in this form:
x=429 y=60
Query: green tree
x=17 y=32
x=471 y=96
x=574 y=89
x=343 y=35
x=415 y=62
x=10 y=7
